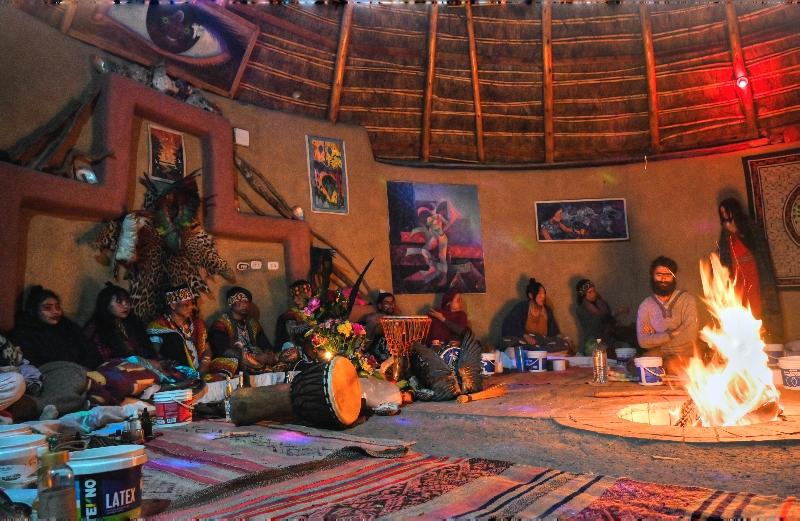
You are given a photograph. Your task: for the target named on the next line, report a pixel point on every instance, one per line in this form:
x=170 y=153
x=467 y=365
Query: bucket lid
x=106 y=459
x=789 y=362
x=537 y=354
x=648 y=361
x=488 y=356
x=23 y=440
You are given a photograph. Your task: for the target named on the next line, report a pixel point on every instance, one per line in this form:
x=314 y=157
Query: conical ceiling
x=524 y=84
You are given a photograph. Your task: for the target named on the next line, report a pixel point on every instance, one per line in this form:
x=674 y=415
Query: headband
x=239 y=296
x=178 y=295
x=300 y=289
x=585 y=287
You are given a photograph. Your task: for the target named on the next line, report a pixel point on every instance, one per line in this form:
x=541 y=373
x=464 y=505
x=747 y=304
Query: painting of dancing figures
x=582 y=220
x=435 y=238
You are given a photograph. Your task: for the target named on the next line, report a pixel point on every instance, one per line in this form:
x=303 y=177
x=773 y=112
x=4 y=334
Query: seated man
x=385 y=305
x=238 y=335
x=179 y=335
x=666 y=323
x=291 y=325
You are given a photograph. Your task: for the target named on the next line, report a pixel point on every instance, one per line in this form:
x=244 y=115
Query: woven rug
x=189 y=458
x=348 y=484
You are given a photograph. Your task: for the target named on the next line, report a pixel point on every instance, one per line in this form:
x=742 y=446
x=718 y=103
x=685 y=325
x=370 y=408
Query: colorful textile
x=420 y=486
x=124 y=378
x=191 y=350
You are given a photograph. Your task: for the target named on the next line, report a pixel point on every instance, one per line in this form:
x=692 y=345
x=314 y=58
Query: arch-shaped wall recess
x=24 y=192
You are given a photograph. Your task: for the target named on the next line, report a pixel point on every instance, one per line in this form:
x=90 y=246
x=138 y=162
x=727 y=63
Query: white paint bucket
x=19 y=458
x=559 y=364
x=173 y=407
x=535 y=361
x=108 y=481
x=487 y=363
x=774 y=352
x=624 y=353
x=650 y=370
x=790 y=372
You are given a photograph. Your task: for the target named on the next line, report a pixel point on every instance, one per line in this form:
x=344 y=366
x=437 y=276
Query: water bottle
x=241 y=379
x=227 y=402
x=56 y=488
x=600 y=362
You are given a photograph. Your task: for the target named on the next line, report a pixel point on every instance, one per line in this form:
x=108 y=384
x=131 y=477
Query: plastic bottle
x=600 y=362
x=241 y=379
x=56 y=486
x=147 y=426
x=227 y=402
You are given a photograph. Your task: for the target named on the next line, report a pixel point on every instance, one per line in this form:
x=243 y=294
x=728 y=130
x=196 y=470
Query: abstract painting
x=166 y=154
x=582 y=220
x=435 y=238
x=200 y=42
x=327 y=175
x=773 y=188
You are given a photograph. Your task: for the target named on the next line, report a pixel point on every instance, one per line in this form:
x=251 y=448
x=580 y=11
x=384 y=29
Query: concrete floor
x=518 y=427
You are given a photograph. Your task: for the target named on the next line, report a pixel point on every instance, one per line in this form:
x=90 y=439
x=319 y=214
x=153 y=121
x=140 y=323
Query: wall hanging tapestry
x=582 y=220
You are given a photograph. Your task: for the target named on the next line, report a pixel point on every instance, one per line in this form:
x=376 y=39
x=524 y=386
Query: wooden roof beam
x=341 y=59
x=650 y=67
x=547 y=80
x=429 y=78
x=476 y=87
x=739 y=70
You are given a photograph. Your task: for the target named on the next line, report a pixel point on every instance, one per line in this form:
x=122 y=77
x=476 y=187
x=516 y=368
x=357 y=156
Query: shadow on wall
x=497 y=321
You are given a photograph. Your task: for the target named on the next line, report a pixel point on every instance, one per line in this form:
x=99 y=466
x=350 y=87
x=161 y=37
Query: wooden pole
x=476 y=87
x=739 y=69
x=547 y=80
x=341 y=59
x=429 y=78
x=650 y=66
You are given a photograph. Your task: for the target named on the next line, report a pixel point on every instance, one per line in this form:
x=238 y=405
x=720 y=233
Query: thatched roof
x=533 y=83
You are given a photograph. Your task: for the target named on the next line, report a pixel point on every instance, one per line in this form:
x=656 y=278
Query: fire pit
x=730 y=397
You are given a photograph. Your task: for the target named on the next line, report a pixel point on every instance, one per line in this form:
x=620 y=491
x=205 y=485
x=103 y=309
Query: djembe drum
x=328 y=394
x=401 y=333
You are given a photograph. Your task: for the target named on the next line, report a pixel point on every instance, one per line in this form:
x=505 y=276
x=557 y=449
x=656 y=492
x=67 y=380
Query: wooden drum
x=328 y=394
x=402 y=332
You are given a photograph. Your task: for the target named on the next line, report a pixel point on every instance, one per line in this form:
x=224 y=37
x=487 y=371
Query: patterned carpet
x=278 y=472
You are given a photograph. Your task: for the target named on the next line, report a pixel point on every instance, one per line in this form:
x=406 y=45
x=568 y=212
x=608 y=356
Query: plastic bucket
x=487 y=363
x=559 y=364
x=535 y=361
x=624 y=353
x=774 y=352
x=650 y=370
x=19 y=458
x=790 y=372
x=518 y=355
x=108 y=481
x=173 y=407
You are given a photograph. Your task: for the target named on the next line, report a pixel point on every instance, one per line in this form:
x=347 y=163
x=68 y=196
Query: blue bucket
x=650 y=370
x=488 y=361
x=535 y=361
x=450 y=355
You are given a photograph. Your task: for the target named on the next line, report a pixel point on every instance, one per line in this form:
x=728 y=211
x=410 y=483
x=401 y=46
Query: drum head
x=345 y=390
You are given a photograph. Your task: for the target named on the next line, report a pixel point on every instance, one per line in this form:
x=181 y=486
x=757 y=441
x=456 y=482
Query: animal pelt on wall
x=162 y=245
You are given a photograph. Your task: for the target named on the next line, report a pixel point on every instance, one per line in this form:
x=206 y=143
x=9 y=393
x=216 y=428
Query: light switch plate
x=241 y=137
x=242 y=266
x=273 y=265
x=256 y=265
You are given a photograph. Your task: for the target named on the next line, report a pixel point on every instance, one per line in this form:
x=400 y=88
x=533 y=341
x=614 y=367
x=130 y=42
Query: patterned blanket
x=348 y=484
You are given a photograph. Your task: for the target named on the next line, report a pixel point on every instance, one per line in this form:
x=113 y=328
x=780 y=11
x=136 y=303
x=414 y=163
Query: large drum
x=328 y=394
x=402 y=332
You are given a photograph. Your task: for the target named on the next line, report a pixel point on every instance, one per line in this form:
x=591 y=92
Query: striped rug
x=349 y=485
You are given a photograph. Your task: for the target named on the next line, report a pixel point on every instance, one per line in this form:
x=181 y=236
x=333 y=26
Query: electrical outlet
x=273 y=265
x=242 y=266
x=256 y=265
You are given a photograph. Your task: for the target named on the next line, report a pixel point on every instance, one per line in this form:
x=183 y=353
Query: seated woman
x=46 y=335
x=533 y=322
x=114 y=330
x=449 y=319
x=596 y=320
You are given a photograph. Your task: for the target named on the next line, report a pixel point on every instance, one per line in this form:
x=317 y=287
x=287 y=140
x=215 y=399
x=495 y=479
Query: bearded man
x=666 y=323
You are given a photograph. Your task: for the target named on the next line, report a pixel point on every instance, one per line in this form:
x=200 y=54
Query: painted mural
x=582 y=220
x=327 y=175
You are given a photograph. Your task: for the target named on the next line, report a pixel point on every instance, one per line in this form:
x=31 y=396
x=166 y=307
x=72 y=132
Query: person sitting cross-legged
x=236 y=334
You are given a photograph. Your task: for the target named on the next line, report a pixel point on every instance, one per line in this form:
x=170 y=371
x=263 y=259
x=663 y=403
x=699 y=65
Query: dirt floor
x=518 y=427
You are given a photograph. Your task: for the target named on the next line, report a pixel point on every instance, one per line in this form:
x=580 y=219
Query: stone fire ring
x=601 y=415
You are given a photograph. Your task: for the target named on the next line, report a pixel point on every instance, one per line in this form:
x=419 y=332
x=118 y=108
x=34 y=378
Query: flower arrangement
x=331 y=333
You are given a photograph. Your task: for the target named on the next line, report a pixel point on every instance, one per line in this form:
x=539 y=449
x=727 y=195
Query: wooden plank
x=547 y=81
x=429 y=78
x=341 y=58
x=476 y=87
x=739 y=69
x=650 y=65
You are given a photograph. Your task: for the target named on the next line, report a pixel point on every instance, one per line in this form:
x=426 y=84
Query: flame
x=736 y=387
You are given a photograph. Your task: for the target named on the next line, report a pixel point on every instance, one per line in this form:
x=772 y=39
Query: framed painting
x=435 y=241
x=773 y=190
x=167 y=160
x=327 y=175
x=582 y=220
x=198 y=41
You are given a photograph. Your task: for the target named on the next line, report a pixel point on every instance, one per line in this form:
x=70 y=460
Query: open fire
x=735 y=387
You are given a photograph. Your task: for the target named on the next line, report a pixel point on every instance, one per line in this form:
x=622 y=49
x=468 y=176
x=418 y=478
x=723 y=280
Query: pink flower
x=358 y=329
x=312 y=306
